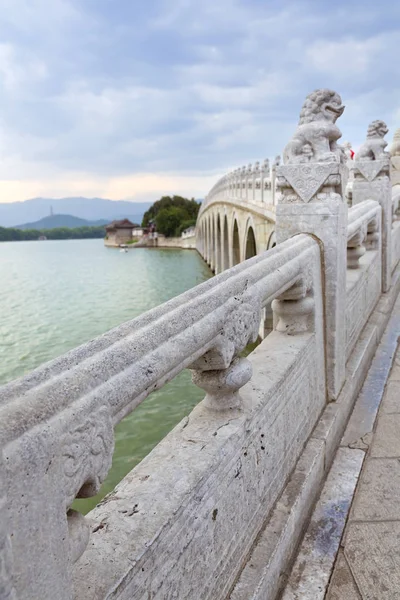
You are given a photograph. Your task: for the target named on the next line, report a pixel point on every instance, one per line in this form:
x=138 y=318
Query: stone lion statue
x=374 y=146
x=317 y=133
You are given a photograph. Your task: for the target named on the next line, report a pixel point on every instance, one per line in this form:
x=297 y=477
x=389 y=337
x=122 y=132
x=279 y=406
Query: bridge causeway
x=218 y=510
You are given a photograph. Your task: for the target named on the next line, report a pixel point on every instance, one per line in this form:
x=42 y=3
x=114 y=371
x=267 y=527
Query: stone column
x=312 y=185
x=395 y=171
x=275 y=165
x=372 y=182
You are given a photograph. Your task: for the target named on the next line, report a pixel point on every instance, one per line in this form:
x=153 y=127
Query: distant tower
x=51 y=211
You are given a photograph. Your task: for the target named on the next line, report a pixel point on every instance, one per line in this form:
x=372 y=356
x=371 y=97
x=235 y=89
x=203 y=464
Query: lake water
x=58 y=294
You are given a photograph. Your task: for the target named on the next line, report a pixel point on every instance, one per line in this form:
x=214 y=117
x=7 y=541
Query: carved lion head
x=377 y=129
x=321 y=105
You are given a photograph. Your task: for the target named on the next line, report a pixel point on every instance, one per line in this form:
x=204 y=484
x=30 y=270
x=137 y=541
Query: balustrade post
x=356 y=248
x=275 y=165
x=264 y=178
x=221 y=372
x=312 y=185
x=243 y=183
x=395 y=172
x=372 y=182
x=249 y=183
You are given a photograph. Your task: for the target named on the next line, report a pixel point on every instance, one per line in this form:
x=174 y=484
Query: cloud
x=123 y=102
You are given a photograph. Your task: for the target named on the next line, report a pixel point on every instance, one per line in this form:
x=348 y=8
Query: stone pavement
x=368 y=562
x=351 y=548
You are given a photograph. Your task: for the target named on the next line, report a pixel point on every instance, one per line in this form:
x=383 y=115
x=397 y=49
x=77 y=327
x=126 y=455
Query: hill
x=91 y=209
x=55 y=221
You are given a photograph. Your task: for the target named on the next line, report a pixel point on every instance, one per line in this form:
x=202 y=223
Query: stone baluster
x=276 y=163
x=373 y=237
x=395 y=174
x=372 y=182
x=249 y=183
x=231 y=184
x=311 y=200
x=356 y=248
x=221 y=372
x=243 y=183
x=256 y=175
x=237 y=183
x=264 y=179
x=294 y=310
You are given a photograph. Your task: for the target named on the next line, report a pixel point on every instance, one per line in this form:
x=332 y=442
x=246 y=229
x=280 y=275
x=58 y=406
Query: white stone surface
x=184 y=522
x=312 y=570
x=372 y=181
x=204 y=492
x=326 y=218
x=56 y=425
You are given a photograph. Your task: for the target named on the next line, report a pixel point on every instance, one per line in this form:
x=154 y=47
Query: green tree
x=169 y=219
x=175 y=211
x=185 y=225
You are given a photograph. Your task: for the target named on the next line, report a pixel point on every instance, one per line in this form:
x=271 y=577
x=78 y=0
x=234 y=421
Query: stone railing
x=57 y=423
x=364 y=264
x=254 y=184
x=184 y=522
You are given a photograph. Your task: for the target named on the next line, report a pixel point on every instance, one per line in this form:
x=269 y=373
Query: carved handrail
x=363 y=231
x=129 y=362
x=361 y=215
x=58 y=421
x=246 y=183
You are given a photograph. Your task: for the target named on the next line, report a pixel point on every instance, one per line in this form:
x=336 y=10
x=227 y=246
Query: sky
x=132 y=99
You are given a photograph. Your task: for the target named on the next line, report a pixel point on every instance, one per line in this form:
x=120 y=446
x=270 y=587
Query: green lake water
x=58 y=294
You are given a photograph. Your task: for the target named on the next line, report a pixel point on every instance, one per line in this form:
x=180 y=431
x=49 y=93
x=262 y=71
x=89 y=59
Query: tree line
x=172 y=215
x=9 y=234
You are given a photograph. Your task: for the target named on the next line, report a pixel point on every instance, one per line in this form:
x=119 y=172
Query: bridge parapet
x=183 y=523
x=254 y=184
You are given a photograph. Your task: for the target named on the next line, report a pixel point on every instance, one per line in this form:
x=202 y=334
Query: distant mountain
x=54 y=221
x=92 y=209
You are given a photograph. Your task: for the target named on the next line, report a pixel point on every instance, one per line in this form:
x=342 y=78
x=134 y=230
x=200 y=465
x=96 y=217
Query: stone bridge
x=218 y=509
x=237 y=219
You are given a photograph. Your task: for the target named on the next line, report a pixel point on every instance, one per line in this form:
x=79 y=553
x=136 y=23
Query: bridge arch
x=235 y=242
x=218 y=244
x=225 y=238
x=249 y=242
x=271 y=241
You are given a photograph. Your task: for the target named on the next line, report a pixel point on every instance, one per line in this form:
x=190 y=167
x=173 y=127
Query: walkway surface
x=367 y=565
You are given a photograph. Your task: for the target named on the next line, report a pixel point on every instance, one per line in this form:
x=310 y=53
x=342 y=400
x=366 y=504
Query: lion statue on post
x=316 y=136
x=374 y=146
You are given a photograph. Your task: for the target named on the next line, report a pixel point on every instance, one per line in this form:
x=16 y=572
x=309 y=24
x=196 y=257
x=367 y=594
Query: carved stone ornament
x=307 y=180
x=372 y=168
x=374 y=146
x=315 y=139
x=240 y=329
x=87 y=452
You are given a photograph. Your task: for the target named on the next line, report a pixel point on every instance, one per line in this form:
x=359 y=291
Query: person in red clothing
x=348 y=150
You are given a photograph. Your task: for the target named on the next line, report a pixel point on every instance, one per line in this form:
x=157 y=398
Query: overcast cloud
x=131 y=99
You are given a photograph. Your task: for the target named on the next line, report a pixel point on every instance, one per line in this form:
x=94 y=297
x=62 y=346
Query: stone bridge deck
x=351 y=549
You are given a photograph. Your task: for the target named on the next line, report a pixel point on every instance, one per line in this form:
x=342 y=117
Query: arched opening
x=271 y=241
x=251 y=249
x=225 y=241
x=212 y=244
x=218 y=246
x=235 y=245
x=209 y=247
